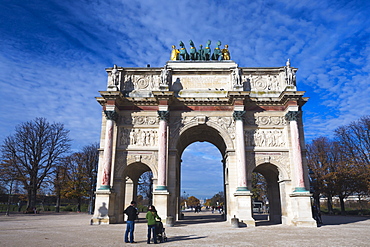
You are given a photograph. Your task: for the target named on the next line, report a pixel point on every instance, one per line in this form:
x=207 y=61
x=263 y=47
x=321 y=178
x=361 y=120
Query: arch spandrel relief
x=225 y=126
x=279 y=159
x=125 y=159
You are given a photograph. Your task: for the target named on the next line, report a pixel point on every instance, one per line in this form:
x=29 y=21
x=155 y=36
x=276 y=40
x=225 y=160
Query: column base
x=104 y=187
x=300 y=190
x=301 y=209
x=161 y=188
x=244 y=210
x=160 y=201
x=242 y=189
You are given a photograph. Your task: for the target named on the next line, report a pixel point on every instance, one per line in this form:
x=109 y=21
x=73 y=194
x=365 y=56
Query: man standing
x=132 y=213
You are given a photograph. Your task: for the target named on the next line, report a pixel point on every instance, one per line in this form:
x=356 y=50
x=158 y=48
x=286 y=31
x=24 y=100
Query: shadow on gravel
x=341 y=220
x=200 y=219
x=183 y=238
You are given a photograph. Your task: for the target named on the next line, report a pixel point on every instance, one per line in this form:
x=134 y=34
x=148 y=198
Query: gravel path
x=205 y=229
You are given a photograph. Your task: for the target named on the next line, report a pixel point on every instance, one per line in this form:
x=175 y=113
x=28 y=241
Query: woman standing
x=151 y=216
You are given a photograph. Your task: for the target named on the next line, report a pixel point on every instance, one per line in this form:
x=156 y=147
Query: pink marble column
x=293 y=117
x=108 y=145
x=240 y=151
x=162 y=150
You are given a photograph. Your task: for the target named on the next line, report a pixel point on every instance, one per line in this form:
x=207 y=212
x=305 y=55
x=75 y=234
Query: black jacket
x=131 y=213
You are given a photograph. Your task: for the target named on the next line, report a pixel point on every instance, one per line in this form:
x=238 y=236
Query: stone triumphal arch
x=252 y=115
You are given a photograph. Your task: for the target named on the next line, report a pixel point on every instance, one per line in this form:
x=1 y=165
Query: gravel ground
x=204 y=229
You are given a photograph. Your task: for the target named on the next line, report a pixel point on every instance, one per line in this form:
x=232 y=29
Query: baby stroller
x=160 y=231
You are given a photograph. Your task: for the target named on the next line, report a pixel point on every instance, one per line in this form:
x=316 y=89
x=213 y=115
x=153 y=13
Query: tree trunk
x=57 y=206
x=78 y=204
x=330 y=205
x=9 y=198
x=342 y=208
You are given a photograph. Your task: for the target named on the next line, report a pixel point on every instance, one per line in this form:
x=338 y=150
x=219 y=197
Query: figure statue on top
x=175 y=54
x=290 y=77
x=114 y=76
x=225 y=53
x=236 y=76
x=165 y=75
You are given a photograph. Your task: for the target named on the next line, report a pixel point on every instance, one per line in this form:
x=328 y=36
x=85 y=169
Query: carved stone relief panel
x=138 y=137
x=265 y=138
x=263 y=82
x=141 y=82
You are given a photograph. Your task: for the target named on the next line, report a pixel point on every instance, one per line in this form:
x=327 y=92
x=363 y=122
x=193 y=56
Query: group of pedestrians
x=132 y=214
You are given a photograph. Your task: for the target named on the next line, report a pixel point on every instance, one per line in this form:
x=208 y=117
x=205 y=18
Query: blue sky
x=53 y=55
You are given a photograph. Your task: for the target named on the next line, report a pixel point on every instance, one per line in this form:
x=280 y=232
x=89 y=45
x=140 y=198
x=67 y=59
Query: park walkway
x=204 y=229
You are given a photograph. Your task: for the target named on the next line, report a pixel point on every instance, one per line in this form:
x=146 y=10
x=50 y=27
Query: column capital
x=111 y=115
x=163 y=115
x=292 y=115
x=238 y=115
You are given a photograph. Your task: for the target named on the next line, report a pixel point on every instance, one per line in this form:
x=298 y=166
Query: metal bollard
x=235 y=222
x=169 y=221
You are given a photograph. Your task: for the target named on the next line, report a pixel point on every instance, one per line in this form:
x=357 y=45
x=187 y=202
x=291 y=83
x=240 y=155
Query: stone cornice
x=168 y=96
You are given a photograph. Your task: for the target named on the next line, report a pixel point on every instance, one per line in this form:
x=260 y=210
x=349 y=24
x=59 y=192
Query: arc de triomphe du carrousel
x=252 y=115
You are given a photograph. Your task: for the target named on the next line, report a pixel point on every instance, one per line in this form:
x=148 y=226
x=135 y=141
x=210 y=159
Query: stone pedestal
x=301 y=209
x=101 y=213
x=160 y=201
x=244 y=212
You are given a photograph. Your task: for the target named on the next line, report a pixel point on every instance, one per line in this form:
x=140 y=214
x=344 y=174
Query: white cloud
x=53 y=54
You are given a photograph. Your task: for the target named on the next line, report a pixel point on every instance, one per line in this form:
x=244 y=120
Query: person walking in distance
x=151 y=216
x=132 y=213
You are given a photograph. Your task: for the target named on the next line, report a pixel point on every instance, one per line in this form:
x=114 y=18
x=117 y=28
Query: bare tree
x=354 y=141
x=36 y=147
x=8 y=175
x=76 y=186
x=91 y=160
x=321 y=160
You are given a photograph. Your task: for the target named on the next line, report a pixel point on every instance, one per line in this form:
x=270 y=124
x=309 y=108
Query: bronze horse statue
x=207 y=51
x=193 y=51
x=183 y=53
x=216 y=52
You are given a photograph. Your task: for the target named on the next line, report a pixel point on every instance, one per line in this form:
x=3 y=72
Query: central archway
x=201 y=133
x=202 y=178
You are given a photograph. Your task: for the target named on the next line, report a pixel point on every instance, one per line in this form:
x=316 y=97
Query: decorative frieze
x=265 y=120
x=139 y=120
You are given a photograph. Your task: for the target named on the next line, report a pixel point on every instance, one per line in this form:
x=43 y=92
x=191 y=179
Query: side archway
x=126 y=185
x=271 y=173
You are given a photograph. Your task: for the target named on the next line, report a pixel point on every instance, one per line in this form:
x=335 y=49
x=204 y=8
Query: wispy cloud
x=53 y=54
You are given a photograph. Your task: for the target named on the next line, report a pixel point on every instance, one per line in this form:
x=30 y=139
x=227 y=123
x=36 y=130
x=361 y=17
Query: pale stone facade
x=252 y=115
